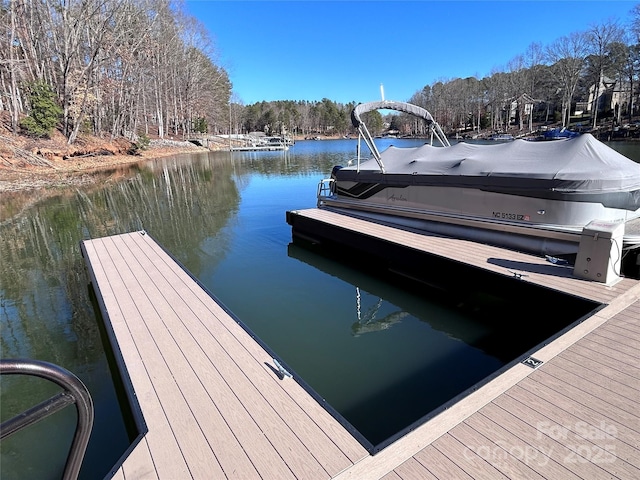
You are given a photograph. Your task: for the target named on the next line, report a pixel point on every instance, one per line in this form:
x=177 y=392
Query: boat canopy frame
x=363 y=132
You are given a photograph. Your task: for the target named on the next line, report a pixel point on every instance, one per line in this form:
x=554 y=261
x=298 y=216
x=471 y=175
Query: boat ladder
x=326 y=188
x=74 y=391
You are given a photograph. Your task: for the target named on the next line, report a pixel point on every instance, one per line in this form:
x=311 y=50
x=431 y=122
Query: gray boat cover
x=579 y=165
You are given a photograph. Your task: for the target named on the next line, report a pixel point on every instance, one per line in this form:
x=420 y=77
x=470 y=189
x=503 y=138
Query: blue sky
x=343 y=50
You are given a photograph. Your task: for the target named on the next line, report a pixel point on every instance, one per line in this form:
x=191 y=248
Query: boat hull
x=532 y=223
x=540 y=197
x=533 y=206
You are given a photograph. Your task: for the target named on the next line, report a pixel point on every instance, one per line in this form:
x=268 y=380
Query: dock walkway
x=214 y=407
x=212 y=403
x=575 y=416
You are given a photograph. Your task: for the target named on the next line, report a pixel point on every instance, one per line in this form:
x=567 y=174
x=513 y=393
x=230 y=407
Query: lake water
x=383 y=356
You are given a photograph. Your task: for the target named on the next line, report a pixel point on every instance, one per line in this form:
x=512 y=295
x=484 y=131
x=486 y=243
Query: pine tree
x=45 y=112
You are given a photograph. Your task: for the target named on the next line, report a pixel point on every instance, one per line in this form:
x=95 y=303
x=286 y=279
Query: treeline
x=134 y=67
x=595 y=71
x=325 y=117
x=294 y=117
x=125 y=67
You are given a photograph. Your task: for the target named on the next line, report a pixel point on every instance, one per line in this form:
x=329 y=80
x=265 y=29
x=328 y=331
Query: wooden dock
x=260 y=148
x=213 y=406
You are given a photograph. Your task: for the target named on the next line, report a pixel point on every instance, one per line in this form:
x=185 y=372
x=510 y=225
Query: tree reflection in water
x=46 y=311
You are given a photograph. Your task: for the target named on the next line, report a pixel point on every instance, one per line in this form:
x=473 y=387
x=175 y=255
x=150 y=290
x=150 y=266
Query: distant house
x=613 y=96
x=512 y=111
x=522 y=109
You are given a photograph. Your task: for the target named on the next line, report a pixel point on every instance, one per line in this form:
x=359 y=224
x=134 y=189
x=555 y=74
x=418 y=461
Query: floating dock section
x=211 y=402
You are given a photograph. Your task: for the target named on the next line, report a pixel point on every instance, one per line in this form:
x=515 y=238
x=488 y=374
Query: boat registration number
x=511 y=216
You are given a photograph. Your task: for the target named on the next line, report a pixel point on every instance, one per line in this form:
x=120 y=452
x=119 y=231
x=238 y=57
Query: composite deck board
x=213 y=406
x=485 y=449
x=590 y=380
x=501 y=446
x=441 y=465
x=588 y=429
x=599 y=369
x=247 y=425
x=613 y=353
x=566 y=419
x=506 y=429
x=552 y=422
x=535 y=269
x=588 y=352
x=546 y=445
x=395 y=476
x=576 y=449
x=159 y=395
x=412 y=469
x=620 y=340
x=323 y=425
x=627 y=326
x=140 y=465
x=592 y=411
x=167 y=457
x=181 y=355
x=585 y=386
x=474 y=466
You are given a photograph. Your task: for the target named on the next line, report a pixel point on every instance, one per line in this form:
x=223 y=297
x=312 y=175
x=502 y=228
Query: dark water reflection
x=358 y=341
x=46 y=312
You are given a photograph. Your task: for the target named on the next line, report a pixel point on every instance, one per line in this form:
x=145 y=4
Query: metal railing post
x=74 y=392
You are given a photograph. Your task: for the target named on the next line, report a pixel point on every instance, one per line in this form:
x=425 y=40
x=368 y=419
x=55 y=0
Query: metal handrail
x=325 y=188
x=74 y=392
x=415 y=110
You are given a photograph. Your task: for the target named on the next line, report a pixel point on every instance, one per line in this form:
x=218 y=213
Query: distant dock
x=210 y=401
x=260 y=148
x=245 y=142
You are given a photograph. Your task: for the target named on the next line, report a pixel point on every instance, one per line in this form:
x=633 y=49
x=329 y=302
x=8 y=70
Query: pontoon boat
x=532 y=196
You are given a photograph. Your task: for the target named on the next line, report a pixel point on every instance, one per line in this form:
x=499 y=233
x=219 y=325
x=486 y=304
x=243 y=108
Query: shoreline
x=22 y=177
x=24 y=169
x=48 y=165
x=24 y=185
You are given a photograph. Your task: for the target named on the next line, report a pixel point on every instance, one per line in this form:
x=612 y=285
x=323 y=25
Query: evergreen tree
x=45 y=112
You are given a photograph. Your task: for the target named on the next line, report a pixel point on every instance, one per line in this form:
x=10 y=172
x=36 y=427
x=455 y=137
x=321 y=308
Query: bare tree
x=518 y=84
x=499 y=94
x=10 y=62
x=567 y=56
x=534 y=75
x=635 y=22
x=627 y=64
x=116 y=65
x=601 y=37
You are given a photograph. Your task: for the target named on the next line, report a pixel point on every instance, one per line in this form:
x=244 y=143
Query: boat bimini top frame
x=414 y=110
